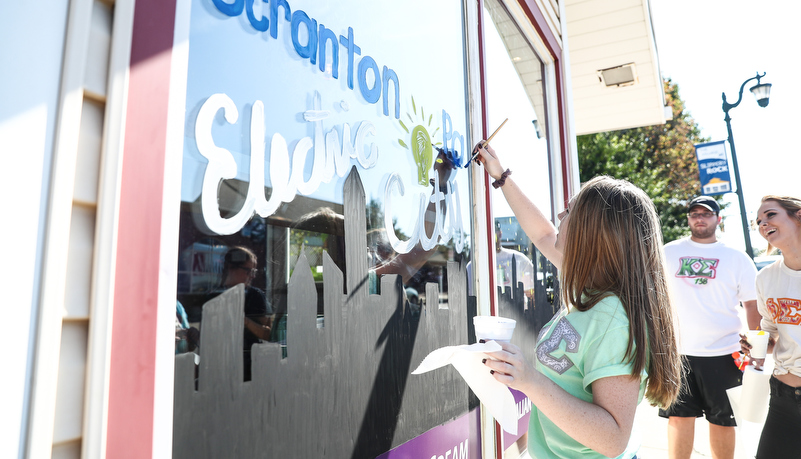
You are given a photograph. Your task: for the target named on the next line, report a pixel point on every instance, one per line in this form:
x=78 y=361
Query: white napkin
x=495 y=396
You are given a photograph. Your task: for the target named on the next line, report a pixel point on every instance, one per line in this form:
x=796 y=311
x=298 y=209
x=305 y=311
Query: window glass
x=282 y=106
x=525 y=280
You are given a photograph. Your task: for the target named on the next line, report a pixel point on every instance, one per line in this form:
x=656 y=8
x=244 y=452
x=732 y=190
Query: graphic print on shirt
x=784 y=310
x=562 y=331
x=698 y=268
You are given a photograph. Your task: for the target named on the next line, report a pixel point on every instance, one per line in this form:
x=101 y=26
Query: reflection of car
x=766 y=260
x=200 y=266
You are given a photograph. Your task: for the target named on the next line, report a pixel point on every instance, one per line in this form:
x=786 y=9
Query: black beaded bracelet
x=499 y=183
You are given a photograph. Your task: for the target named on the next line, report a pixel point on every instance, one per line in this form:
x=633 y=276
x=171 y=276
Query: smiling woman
x=778 y=218
x=779 y=304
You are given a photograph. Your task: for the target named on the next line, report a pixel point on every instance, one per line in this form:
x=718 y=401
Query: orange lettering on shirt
x=784 y=310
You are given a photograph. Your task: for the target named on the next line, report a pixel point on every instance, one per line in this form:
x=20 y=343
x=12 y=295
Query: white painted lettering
x=440 y=234
x=523 y=407
x=328 y=158
x=458 y=452
x=462 y=450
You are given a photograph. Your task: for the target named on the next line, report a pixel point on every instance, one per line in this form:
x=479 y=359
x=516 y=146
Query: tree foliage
x=659 y=159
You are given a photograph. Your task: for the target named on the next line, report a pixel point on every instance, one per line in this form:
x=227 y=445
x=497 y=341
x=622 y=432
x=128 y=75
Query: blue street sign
x=713 y=168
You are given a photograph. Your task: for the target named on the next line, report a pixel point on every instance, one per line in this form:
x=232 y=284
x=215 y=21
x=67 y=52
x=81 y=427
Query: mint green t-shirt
x=574 y=349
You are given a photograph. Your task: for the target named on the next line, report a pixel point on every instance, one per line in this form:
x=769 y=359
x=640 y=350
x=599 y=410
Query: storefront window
x=324 y=151
x=525 y=280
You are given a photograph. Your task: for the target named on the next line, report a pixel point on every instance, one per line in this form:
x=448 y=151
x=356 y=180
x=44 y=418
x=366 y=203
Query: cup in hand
x=494 y=328
x=758 y=339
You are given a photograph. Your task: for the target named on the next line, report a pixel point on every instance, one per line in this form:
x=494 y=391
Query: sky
x=709 y=47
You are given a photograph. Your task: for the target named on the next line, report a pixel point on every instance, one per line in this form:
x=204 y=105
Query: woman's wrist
x=500 y=181
x=496 y=174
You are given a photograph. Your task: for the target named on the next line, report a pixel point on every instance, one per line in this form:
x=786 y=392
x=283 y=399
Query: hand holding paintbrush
x=485 y=155
x=485 y=143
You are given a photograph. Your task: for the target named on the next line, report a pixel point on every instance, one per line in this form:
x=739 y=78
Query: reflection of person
x=779 y=302
x=613 y=342
x=187 y=338
x=504 y=259
x=326 y=221
x=708 y=280
x=409 y=265
x=240 y=268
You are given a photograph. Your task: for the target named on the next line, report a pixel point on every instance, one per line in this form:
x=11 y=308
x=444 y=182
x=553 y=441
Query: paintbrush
x=487 y=142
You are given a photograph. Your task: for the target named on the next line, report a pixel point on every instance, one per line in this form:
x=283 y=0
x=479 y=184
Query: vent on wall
x=622 y=75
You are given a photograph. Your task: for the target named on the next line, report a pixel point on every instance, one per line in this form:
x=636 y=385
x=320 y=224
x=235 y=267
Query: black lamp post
x=762 y=93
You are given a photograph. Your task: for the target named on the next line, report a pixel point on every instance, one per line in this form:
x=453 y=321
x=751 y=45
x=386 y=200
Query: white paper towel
x=750 y=401
x=467 y=361
x=755 y=397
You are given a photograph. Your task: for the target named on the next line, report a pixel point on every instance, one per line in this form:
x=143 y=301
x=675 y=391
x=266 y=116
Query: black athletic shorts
x=703 y=390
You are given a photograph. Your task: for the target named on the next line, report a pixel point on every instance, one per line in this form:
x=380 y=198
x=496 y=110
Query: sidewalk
x=653 y=430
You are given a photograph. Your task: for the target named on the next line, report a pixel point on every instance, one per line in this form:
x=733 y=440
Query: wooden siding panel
x=97 y=59
x=70 y=450
x=607 y=21
x=90 y=139
x=71 y=379
x=79 y=265
x=619 y=35
x=612 y=96
x=578 y=10
x=608 y=50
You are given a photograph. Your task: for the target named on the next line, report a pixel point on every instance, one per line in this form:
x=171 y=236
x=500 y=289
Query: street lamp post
x=762 y=93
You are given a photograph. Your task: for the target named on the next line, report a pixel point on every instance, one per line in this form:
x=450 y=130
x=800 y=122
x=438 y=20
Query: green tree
x=659 y=159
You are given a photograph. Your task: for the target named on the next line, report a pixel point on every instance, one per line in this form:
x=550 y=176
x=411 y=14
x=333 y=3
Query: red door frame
x=132 y=371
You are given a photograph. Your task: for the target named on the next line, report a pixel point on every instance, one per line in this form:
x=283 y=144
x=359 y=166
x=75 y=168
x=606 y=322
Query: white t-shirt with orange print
x=779 y=303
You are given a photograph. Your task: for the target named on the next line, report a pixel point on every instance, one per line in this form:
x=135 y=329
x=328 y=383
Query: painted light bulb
x=422 y=152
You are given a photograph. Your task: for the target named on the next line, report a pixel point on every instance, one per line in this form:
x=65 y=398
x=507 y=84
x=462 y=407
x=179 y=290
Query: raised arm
x=537 y=227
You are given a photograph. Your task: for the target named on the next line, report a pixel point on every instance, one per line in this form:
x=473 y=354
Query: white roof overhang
x=612 y=34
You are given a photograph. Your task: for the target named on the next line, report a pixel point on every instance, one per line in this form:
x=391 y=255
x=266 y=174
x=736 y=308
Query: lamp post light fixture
x=762 y=93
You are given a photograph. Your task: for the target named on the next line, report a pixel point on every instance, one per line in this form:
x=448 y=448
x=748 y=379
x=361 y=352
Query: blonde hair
x=790 y=204
x=614 y=247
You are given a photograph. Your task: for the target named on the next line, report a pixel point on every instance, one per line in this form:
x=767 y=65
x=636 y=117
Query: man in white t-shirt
x=708 y=280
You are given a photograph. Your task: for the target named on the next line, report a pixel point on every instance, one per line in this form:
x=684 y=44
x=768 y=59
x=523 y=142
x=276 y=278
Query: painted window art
x=324 y=225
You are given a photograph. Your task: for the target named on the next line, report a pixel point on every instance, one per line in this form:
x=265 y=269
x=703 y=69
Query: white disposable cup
x=494 y=328
x=758 y=339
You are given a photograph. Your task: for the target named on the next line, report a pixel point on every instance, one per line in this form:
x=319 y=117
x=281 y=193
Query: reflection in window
x=309 y=227
x=525 y=280
x=326 y=179
x=506 y=36
x=264 y=253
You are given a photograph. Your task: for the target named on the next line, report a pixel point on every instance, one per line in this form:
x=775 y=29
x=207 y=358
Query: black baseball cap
x=705 y=201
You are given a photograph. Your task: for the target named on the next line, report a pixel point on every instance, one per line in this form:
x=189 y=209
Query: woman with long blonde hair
x=779 y=303
x=613 y=342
